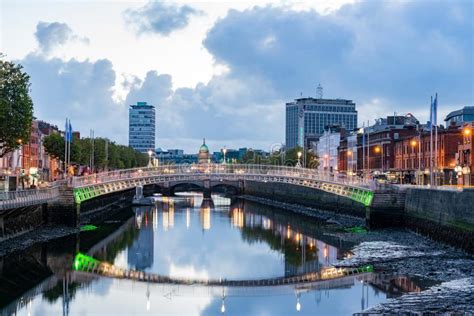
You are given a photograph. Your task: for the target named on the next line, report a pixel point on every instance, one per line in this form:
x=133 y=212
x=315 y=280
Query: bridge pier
x=206 y=191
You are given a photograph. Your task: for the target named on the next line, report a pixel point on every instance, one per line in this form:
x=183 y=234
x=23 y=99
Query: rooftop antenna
x=319 y=91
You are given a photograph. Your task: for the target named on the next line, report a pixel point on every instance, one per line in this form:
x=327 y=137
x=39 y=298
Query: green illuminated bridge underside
x=90 y=187
x=86 y=264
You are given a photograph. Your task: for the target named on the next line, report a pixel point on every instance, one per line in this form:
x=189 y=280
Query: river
x=190 y=238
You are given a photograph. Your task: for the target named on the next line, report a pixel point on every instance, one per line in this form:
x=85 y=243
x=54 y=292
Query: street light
x=149 y=158
x=466 y=131
x=377 y=150
x=413 y=144
x=224 y=150
x=299 y=159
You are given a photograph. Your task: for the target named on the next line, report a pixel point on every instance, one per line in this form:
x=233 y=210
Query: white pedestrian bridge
x=92 y=186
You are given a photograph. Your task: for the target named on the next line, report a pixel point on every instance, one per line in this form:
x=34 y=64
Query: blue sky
x=225 y=70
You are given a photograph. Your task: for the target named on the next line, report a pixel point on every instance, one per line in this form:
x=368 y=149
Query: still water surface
x=193 y=238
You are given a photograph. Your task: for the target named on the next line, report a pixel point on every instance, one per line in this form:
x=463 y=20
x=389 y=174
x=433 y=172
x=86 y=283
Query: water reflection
x=189 y=236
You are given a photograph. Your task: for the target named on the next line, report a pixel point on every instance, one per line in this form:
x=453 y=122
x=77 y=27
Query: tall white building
x=326 y=149
x=141 y=127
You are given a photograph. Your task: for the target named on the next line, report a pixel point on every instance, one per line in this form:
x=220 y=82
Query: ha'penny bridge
x=86 y=264
x=64 y=201
x=203 y=175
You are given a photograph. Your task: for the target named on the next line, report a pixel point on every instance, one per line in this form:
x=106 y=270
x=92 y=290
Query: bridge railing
x=239 y=170
x=13 y=199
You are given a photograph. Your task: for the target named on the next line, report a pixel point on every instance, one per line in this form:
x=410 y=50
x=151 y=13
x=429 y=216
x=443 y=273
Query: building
x=376 y=143
x=31 y=159
x=347 y=153
x=203 y=154
x=459 y=117
x=465 y=156
x=176 y=156
x=412 y=161
x=327 y=146
x=306 y=119
x=141 y=127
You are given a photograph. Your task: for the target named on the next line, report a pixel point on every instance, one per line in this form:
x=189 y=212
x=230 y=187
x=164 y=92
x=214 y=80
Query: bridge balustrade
x=212 y=170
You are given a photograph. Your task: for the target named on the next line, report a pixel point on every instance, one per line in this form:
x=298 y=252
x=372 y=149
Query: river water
x=191 y=238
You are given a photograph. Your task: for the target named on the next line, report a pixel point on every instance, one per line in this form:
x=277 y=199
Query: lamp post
x=224 y=151
x=413 y=144
x=298 y=165
x=379 y=149
x=149 y=158
x=349 y=156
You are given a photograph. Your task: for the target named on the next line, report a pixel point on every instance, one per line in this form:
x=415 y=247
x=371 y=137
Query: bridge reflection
x=47 y=270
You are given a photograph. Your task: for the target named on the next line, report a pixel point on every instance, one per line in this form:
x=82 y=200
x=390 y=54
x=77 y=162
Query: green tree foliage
x=16 y=107
x=119 y=156
x=278 y=158
x=54 y=145
x=291 y=158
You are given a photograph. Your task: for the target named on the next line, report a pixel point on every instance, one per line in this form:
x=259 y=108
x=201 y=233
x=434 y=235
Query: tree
x=54 y=146
x=16 y=107
x=291 y=158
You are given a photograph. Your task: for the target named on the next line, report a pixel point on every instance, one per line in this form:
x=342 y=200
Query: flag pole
x=435 y=110
x=69 y=142
x=431 y=142
x=65 y=150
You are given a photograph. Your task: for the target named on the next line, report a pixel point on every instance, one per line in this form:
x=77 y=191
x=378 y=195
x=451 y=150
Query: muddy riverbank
x=400 y=251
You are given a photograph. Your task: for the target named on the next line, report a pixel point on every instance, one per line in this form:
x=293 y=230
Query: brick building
x=465 y=156
x=412 y=161
x=371 y=150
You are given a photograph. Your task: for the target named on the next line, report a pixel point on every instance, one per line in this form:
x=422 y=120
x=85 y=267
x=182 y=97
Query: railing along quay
x=14 y=199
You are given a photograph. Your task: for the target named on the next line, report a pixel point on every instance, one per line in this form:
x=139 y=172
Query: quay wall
x=443 y=215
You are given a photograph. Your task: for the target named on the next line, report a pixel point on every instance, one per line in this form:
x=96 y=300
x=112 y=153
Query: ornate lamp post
x=298 y=165
x=149 y=159
x=224 y=151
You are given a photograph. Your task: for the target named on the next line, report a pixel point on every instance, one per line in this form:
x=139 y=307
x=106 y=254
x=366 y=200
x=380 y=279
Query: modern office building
x=459 y=117
x=141 y=127
x=306 y=119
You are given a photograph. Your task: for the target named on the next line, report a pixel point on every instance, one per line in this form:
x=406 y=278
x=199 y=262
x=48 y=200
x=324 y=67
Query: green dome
x=204 y=148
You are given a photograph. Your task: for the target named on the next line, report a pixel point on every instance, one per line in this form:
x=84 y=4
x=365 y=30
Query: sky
x=224 y=70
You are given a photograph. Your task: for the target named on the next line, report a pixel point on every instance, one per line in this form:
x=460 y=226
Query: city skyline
x=85 y=73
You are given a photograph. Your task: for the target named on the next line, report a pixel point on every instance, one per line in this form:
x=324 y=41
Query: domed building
x=203 y=154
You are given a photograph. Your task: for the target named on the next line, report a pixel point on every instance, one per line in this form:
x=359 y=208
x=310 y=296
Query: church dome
x=204 y=148
x=203 y=155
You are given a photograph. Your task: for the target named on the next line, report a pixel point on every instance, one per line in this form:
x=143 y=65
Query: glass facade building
x=459 y=117
x=306 y=119
x=141 y=127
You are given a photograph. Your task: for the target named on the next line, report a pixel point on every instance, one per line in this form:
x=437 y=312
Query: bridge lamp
x=299 y=159
x=149 y=158
x=224 y=151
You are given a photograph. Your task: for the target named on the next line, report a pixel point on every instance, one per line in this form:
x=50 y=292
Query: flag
x=66 y=129
x=69 y=131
